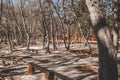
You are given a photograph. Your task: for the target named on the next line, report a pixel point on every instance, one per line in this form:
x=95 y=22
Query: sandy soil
x=66 y=65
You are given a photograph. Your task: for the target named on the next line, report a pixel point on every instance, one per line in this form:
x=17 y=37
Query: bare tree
x=19 y=37
x=115 y=31
x=46 y=29
x=64 y=25
x=24 y=25
x=107 y=51
x=1 y=9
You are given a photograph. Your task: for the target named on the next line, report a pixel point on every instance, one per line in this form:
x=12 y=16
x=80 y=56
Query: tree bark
x=24 y=26
x=107 y=64
x=46 y=30
x=1 y=10
x=62 y=26
x=8 y=26
x=115 y=32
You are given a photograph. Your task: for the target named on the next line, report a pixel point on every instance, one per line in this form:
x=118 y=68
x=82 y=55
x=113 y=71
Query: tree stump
x=30 y=69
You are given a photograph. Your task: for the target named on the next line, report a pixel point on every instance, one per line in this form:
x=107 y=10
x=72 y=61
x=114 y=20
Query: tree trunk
x=19 y=37
x=25 y=27
x=8 y=26
x=53 y=35
x=115 y=32
x=1 y=9
x=107 y=64
x=46 y=29
x=62 y=25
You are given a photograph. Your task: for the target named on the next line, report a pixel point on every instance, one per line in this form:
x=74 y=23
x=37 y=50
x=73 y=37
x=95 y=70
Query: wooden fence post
x=30 y=68
x=49 y=75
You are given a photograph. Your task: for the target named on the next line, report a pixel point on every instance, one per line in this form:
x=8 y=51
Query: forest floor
x=66 y=65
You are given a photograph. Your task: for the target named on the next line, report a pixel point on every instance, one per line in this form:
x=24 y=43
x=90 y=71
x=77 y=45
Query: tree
x=45 y=25
x=115 y=32
x=107 y=51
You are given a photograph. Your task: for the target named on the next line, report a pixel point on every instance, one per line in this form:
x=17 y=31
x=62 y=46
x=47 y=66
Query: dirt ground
x=66 y=65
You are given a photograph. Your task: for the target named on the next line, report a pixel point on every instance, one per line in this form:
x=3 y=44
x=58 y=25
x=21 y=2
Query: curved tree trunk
x=17 y=37
x=25 y=26
x=107 y=51
x=46 y=29
x=62 y=26
x=115 y=32
x=8 y=26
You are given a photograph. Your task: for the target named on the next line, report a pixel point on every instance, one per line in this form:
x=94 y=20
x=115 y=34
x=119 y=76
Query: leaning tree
x=106 y=43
